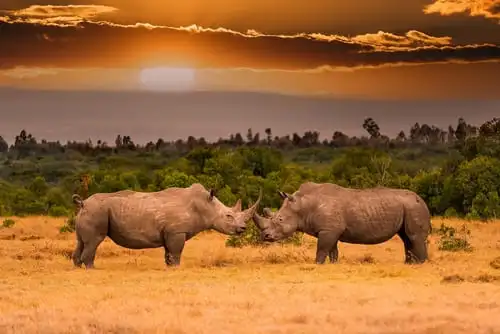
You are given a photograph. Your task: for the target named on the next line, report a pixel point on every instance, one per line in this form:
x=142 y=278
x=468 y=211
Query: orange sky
x=366 y=48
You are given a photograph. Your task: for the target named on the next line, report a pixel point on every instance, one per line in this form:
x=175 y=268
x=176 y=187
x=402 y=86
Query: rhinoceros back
x=367 y=216
x=140 y=220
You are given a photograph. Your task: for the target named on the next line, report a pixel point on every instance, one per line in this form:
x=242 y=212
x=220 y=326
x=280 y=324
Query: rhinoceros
x=139 y=220
x=333 y=213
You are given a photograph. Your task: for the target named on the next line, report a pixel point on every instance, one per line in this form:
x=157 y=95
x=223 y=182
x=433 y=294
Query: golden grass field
x=275 y=289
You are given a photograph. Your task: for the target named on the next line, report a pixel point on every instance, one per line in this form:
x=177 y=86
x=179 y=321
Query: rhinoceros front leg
x=327 y=241
x=174 y=244
x=415 y=250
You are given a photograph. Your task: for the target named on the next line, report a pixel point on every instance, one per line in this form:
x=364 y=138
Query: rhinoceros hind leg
x=174 y=244
x=334 y=253
x=415 y=250
x=327 y=240
x=89 y=250
x=77 y=254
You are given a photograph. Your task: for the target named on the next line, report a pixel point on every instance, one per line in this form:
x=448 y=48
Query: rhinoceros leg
x=418 y=250
x=415 y=248
x=89 y=250
x=327 y=240
x=334 y=253
x=77 y=254
x=174 y=244
x=407 y=245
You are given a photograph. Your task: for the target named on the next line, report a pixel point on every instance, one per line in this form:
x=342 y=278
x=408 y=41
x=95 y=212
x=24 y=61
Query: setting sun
x=167 y=78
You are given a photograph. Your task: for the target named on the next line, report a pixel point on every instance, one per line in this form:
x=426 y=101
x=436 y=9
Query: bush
x=251 y=237
x=450 y=242
x=296 y=239
x=69 y=226
x=4 y=211
x=58 y=211
x=7 y=223
x=450 y=213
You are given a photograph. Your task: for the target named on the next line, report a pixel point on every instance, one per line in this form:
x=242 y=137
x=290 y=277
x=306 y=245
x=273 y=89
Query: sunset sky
x=378 y=49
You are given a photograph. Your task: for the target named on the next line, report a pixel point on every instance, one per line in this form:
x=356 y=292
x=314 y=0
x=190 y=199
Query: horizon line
x=313 y=96
x=262 y=135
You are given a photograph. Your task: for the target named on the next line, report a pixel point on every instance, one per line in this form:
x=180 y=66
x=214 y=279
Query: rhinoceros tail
x=77 y=200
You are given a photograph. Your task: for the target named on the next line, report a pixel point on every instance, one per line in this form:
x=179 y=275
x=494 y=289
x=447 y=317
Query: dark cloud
x=72 y=37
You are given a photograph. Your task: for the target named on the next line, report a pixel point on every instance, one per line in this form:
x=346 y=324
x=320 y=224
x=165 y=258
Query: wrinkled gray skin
x=358 y=216
x=167 y=218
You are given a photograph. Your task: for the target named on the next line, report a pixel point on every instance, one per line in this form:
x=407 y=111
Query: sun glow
x=168 y=78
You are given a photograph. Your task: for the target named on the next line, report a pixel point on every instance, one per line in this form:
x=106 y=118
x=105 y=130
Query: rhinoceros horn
x=237 y=205
x=249 y=213
x=261 y=222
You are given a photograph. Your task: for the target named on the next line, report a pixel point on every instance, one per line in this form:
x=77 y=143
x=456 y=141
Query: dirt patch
x=481 y=278
x=495 y=263
x=453 y=279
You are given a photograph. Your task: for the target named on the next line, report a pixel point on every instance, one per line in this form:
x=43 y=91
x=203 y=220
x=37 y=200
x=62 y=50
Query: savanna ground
x=274 y=289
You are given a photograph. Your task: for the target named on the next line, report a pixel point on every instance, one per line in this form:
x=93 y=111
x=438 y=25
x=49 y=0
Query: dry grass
x=275 y=289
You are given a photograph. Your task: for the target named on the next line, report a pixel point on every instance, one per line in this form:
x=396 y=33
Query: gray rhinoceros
x=139 y=220
x=358 y=216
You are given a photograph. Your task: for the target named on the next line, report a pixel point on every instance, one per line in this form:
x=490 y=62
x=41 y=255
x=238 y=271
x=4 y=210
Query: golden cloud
x=380 y=40
x=76 y=15
x=65 y=16
x=50 y=11
x=412 y=39
x=23 y=72
x=487 y=8
x=53 y=36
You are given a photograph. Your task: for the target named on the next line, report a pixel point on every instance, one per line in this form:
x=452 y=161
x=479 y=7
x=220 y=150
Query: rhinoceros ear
x=285 y=195
x=212 y=194
x=267 y=213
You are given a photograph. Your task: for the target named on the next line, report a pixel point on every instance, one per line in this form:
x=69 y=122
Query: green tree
x=478 y=176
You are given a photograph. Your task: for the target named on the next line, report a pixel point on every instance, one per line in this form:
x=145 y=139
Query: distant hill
x=78 y=115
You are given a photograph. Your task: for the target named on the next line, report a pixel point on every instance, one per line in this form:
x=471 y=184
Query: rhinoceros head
x=281 y=224
x=231 y=220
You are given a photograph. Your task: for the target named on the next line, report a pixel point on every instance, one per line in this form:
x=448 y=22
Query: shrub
x=69 y=226
x=7 y=223
x=57 y=211
x=251 y=237
x=451 y=213
x=449 y=240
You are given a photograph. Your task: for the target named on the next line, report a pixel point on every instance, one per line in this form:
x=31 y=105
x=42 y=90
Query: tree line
x=456 y=171
x=25 y=144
